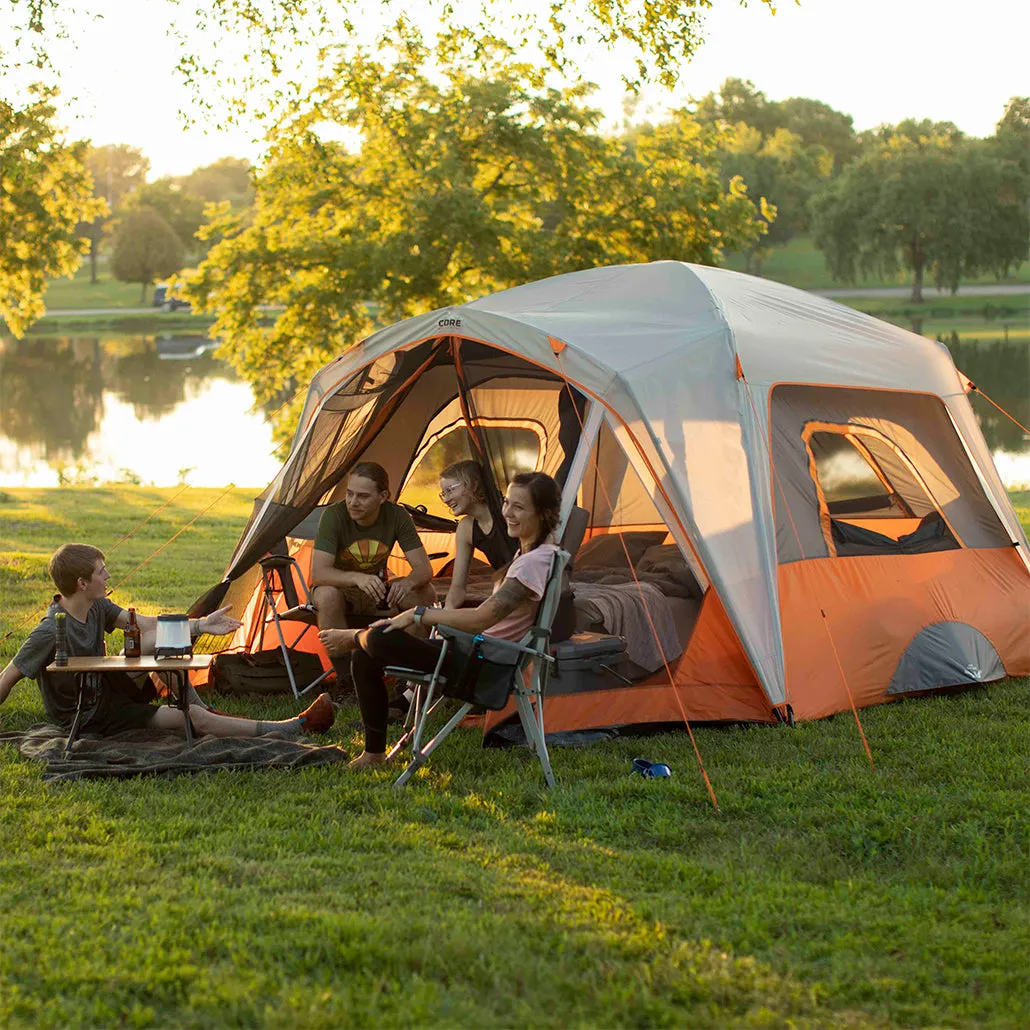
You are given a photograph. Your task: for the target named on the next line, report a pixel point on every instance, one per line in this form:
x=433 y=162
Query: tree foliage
x=145 y=248
x=228 y=179
x=786 y=151
x=471 y=178
x=45 y=191
x=933 y=204
x=182 y=210
x=283 y=39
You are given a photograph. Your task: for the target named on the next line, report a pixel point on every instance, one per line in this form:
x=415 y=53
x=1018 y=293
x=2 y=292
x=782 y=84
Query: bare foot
x=367 y=759
x=338 y=641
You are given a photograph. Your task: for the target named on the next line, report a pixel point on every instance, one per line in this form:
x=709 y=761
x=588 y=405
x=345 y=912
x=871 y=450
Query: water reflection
x=161 y=410
x=135 y=408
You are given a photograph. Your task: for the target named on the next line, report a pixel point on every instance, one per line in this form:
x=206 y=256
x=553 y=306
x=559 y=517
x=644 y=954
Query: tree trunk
x=143 y=292
x=917 y=276
x=94 y=249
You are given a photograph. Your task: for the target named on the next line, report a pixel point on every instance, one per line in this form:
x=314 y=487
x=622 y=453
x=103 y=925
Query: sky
x=877 y=60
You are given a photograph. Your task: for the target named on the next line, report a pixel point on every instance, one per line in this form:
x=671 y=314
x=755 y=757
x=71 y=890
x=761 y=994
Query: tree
x=816 y=124
x=145 y=248
x=118 y=170
x=182 y=210
x=1012 y=133
x=228 y=179
x=45 y=191
x=470 y=178
x=781 y=169
x=928 y=203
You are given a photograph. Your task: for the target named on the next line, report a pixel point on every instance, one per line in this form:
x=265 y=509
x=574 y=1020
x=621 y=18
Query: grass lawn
x=106 y=292
x=824 y=894
x=799 y=263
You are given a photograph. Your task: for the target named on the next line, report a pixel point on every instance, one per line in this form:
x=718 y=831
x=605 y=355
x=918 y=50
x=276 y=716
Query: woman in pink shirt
x=530 y=513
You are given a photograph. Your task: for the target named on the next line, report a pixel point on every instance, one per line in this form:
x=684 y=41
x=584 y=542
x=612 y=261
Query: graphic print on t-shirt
x=363 y=555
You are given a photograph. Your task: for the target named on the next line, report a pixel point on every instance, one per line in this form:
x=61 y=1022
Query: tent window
x=512 y=446
x=850 y=482
x=861 y=507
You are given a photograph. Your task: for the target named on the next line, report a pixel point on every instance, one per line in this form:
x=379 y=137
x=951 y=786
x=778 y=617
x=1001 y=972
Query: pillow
x=606 y=551
x=666 y=560
x=658 y=555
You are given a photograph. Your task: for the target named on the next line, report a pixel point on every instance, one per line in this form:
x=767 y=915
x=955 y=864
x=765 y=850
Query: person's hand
x=403 y=621
x=371 y=586
x=397 y=592
x=219 y=623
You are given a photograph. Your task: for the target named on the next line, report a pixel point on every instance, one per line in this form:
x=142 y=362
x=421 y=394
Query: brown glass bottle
x=133 y=637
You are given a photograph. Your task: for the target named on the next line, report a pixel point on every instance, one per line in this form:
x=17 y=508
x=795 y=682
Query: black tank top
x=499 y=548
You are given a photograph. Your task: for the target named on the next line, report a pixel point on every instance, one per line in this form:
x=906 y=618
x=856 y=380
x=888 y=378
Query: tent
x=820 y=472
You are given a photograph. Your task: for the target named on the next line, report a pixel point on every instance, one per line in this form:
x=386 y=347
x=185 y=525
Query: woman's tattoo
x=508 y=597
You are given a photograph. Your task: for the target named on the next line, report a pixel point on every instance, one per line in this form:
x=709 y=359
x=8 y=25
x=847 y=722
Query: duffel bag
x=263 y=672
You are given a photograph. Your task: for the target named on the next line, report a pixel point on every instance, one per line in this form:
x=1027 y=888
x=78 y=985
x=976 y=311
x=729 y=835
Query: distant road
x=929 y=293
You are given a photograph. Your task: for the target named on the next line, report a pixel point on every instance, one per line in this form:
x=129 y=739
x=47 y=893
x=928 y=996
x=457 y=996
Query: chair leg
x=533 y=726
x=410 y=721
x=420 y=756
x=286 y=654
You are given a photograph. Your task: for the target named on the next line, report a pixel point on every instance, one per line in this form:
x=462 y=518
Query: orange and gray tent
x=821 y=472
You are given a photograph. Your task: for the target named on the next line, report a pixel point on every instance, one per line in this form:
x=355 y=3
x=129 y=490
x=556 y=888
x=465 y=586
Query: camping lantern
x=173 y=637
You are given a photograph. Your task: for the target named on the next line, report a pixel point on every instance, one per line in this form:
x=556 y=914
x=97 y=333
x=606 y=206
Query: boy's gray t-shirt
x=85 y=640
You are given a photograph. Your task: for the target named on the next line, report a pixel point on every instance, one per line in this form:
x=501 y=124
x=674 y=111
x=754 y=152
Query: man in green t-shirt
x=355 y=537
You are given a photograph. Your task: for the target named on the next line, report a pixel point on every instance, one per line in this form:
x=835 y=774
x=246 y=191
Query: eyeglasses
x=449 y=492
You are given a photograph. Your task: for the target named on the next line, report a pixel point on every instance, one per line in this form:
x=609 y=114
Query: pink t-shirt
x=531 y=571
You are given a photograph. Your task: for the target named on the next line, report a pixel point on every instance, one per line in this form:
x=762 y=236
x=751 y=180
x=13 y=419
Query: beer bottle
x=61 y=650
x=384 y=578
x=133 y=637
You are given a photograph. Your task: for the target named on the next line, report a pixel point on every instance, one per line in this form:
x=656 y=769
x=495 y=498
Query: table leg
x=184 y=703
x=74 y=731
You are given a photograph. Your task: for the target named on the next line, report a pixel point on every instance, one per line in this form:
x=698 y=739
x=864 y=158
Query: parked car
x=163 y=301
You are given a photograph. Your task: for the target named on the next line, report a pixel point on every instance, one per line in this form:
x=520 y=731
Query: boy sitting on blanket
x=79 y=572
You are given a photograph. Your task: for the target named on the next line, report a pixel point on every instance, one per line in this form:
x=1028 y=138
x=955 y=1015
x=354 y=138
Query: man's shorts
x=122 y=706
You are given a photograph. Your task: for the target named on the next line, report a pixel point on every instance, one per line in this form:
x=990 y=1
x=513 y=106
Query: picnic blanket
x=156 y=753
x=621 y=607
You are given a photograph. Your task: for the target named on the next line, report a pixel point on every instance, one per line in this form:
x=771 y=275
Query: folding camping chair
x=281 y=573
x=488 y=670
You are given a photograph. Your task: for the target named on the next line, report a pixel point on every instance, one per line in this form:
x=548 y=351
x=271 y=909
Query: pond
x=109 y=407
x=161 y=410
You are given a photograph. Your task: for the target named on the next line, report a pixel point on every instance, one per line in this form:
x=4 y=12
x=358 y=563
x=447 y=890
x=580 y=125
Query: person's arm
x=217 y=623
x=421 y=573
x=503 y=602
x=324 y=573
x=8 y=678
x=462 y=560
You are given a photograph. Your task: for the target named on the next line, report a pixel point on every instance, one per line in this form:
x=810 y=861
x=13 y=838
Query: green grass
x=824 y=894
x=799 y=263
x=106 y=292
x=158 y=322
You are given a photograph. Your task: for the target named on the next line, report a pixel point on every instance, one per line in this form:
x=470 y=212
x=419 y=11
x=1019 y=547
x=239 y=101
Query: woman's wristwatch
x=420 y=610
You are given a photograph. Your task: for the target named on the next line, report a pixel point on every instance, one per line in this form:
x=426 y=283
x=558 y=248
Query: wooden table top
x=119 y=663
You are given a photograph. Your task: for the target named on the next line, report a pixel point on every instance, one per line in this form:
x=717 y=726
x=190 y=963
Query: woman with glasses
x=463 y=488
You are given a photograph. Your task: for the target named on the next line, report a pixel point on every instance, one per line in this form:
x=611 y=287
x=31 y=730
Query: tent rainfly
x=819 y=473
